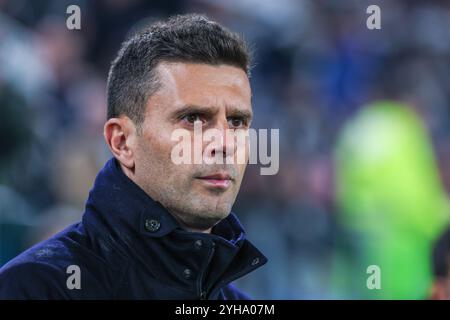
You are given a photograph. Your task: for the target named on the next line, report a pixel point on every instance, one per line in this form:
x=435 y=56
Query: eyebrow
x=241 y=113
x=209 y=112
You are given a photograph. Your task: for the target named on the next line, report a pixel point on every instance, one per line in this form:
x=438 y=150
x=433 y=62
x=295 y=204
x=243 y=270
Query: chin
x=213 y=213
x=201 y=214
x=208 y=216
x=201 y=222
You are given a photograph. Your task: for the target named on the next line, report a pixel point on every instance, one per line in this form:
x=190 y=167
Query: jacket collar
x=122 y=203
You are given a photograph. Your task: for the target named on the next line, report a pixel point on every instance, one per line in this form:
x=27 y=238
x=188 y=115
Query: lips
x=217 y=180
x=217 y=176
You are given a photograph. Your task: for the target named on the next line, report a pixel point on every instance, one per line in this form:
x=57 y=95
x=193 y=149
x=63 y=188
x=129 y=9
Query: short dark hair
x=183 y=38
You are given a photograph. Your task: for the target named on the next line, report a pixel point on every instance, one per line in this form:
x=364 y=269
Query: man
x=154 y=229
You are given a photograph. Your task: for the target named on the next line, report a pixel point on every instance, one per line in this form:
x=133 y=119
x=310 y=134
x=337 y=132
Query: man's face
x=215 y=97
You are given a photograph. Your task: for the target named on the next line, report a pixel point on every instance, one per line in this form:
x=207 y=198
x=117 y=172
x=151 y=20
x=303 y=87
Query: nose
x=224 y=144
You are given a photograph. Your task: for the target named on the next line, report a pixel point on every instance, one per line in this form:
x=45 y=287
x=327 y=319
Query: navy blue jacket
x=128 y=246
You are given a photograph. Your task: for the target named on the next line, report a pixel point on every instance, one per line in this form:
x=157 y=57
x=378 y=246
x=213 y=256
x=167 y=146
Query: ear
x=119 y=135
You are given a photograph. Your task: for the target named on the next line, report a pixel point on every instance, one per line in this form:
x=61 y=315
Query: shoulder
x=62 y=267
x=31 y=280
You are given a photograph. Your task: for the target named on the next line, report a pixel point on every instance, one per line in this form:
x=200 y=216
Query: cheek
x=241 y=169
x=160 y=149
x=151 y=157
x=159 y=145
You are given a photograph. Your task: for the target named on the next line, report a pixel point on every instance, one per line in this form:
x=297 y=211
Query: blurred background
x=364 y=119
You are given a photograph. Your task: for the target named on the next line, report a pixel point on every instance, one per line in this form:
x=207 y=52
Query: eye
x=192 y=118
x=237 y=122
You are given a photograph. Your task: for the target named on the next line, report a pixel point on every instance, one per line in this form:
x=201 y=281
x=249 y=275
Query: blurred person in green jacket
x=392 y=205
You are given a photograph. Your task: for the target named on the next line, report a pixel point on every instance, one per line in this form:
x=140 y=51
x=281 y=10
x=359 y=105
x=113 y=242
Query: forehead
x=203 y=85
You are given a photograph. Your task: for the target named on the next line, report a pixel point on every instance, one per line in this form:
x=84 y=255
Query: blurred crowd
x=315 y=65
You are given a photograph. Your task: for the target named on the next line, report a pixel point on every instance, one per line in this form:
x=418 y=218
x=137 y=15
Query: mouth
x=217 y=181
